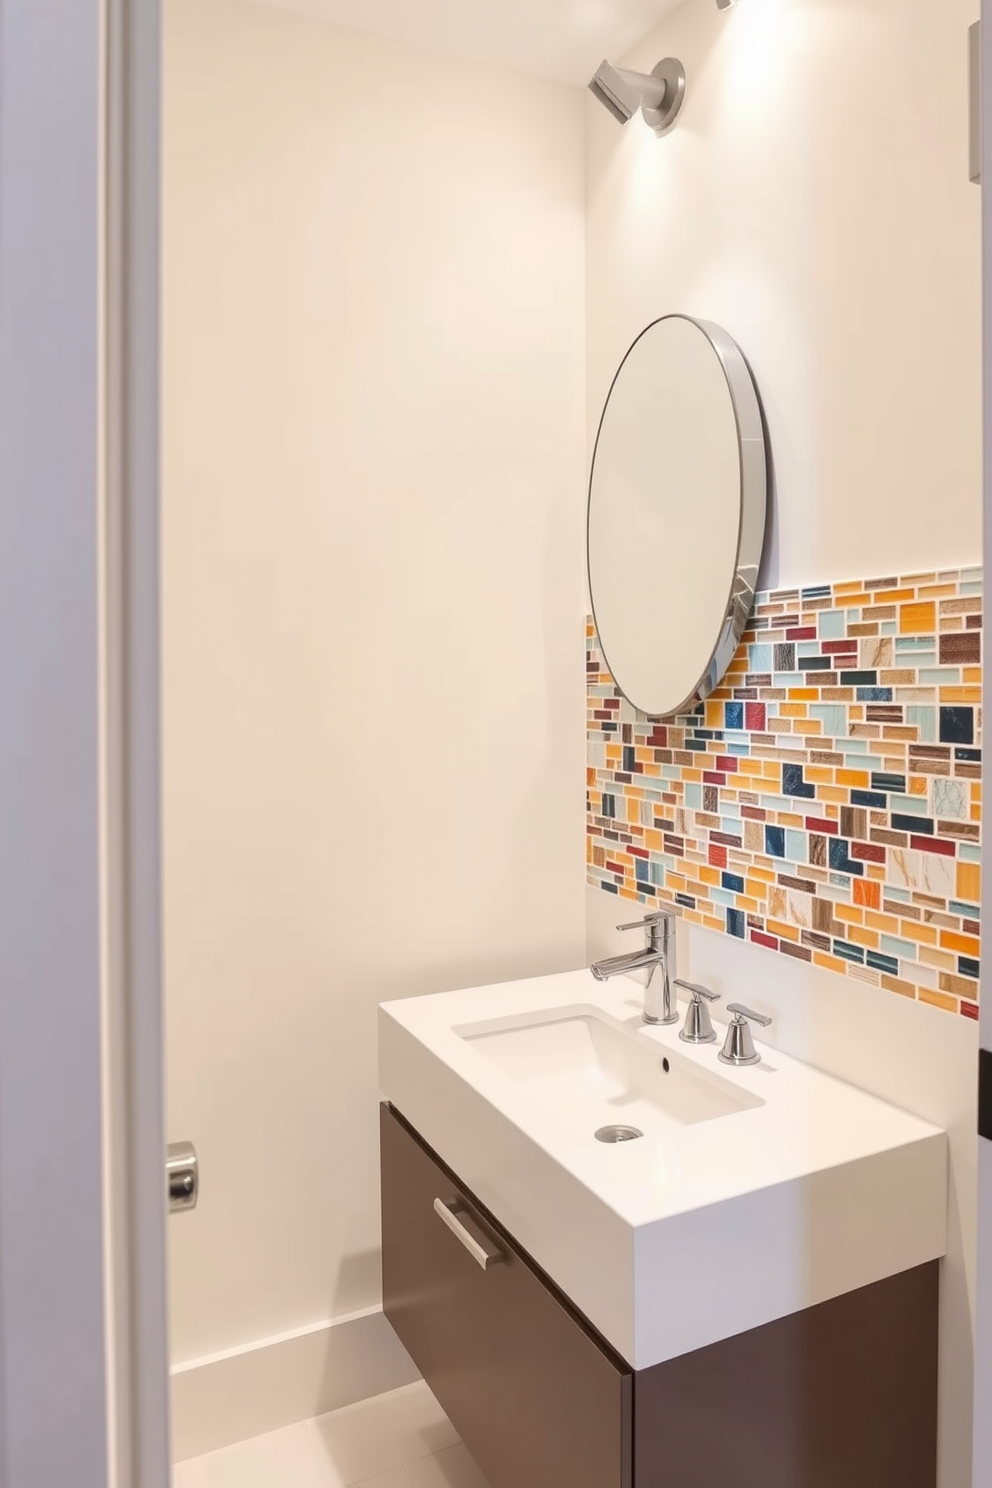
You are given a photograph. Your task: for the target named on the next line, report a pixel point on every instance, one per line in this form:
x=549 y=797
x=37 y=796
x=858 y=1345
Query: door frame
x=83 y=1345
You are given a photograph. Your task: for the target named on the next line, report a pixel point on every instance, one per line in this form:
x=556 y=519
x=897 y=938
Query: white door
x=83 y=1376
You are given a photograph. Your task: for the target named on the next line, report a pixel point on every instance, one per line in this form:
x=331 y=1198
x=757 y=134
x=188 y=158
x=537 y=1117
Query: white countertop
x=691 y=1234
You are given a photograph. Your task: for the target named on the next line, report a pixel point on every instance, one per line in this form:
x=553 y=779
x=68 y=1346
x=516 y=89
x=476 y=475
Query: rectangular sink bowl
x=599 y=1079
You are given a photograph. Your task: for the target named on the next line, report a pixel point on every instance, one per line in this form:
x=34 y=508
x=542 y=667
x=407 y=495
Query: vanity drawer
x=537 y=1399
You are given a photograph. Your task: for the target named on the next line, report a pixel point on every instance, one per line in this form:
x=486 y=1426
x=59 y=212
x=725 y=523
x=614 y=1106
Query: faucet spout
x=657 y=958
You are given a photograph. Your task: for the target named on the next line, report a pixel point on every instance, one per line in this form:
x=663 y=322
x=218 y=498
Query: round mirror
x=676 y=523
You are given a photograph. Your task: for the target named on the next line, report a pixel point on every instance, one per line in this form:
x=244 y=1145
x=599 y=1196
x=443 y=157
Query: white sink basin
x=752 y=1194
x=597 y=1076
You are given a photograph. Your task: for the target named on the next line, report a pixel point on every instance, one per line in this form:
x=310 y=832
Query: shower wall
x=373 y=610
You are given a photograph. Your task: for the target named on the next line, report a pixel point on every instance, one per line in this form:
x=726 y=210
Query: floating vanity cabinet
x=842 y=1395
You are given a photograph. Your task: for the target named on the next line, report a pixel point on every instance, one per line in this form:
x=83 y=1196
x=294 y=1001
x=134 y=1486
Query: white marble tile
x=378 y=1435
x=398 y=1478
x=452 y=1468
x=289 y=1458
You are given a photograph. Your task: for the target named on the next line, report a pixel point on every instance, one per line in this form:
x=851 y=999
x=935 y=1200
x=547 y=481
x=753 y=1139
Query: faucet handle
x=651 y=919
x=698 y=1027
x=738 y=1048
x=699 y=991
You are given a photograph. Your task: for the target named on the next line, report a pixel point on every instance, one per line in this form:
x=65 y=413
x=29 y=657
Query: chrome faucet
x=657 y=958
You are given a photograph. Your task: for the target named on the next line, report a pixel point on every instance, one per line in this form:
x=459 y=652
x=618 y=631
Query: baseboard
x=228 y=1397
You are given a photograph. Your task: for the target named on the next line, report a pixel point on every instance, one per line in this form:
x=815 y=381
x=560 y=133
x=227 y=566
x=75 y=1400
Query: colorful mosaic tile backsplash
x=825 y=802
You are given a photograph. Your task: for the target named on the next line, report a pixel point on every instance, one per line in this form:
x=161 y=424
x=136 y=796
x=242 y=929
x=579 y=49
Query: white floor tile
x=452 y=1468
x=378 y=1435
x=398 y=1478
x=282 y=1459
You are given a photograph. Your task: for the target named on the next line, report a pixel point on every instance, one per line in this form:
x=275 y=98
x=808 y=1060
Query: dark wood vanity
x=843 y=1395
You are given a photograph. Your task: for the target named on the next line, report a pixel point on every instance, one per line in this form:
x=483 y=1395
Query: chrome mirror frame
x=751 y=443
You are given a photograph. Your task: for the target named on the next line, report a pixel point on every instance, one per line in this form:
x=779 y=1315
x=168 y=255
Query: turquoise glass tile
x=658 y=875
x=789 y=679
x=760 y=658
x=901 y=896
x=833 y=625
x=910 y=805
x=969 y=911
x=969 y=589
x=742 y=750
x=924 y=719
x=694 y=797
x=969 y=853
x=892 y=946
x=796 y=846
x=724 y=897
x=914 y=643
x=889 y=627
x=940 y=677
x=808 y=648
x=833 y=716
x=840 y=880
x=972 y=576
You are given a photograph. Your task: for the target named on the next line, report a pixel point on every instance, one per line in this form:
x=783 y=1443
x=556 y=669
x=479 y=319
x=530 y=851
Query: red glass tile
x=970 y=1010
x=711 y=777
x=754 y=716
x=934 y=845
x=867 y=852
x=727 y=762
x=817 y=824
x=760 y=938
x=718 y=856
x=658 y=738
x=832 y=648
x=801 y=633
x=614 y=867
x=638 y=852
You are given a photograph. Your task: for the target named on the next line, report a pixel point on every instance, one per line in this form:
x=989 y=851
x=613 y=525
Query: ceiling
x=560 y=39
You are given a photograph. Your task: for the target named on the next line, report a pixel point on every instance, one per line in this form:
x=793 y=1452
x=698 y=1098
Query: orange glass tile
x=876 y=871
x=856 y=714
x=709 y=875
x=714 y=715
x=886 y=924
x=750 y=767
x=893 y=984
x=788 y=819
x=918 y=619
x=813 y=726
x=969 y=882
x=749 y=906
x=655 y=841
x=804 y=695
x=818 y=775
x=973 y=675
x=918 y=785
x=937 y=591
x=866 y=938
x=763 y=875
x=629 y=894
x=867 y=893
x=784 y=932
x=849 y=914
x=714 y=924
x=829 y=963
x=967 y=945
x=856 y=779
x=960 y=694
x=793 y=710
x=938 y=1000
x=833 y=793
x=693 y=777
x=975 y=814
x=913 y=930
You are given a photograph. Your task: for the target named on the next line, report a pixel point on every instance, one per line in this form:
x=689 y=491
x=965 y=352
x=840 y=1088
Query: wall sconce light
x=659 y=94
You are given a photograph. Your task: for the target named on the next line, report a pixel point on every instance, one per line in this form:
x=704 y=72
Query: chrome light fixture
x=659 y=94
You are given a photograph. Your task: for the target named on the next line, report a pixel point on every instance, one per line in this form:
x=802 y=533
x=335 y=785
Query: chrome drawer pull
x=449 y=1211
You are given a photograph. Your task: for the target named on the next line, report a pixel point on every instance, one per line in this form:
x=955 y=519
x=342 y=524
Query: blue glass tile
x=971 y=576
x=879 y=962
x=919 y=824
x=869 y=798
x=968 y=967
x=841 y=882
x=733 y=882
x=686 y=901
x=742 y=750
x=914 y=805
x=628 y=759
x=849 y=952
x=925 y=720
x=940 y=677
x=914 y=643
x=859 y=679
x=901 y=896
x=817 y=591
x=724 y=898
x=807 y=648
x=788 y=679
x=857 y=748
x=967 y=590
x=611 y=888
x=840 y=860
x=968 y=911
x=889 y=627
x=797 y=847
x=974 y=756
x=816 y=663
x=793 y=783
x=874 y=694
x=957 y=725
x=969 y=853
x=759 y=658
x=833 y=625
x=699 y=745
x=734 y=715
x=883 y=781
x=736 y=923
x=775 y=842
x=609 y=806
x=833 y=716
x=896 y=947
x=658 y=875
x=642 y=870
x=694 y=797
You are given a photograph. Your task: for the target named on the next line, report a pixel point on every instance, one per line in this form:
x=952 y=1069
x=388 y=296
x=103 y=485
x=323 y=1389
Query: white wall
x=815 y=201
x=373 y=605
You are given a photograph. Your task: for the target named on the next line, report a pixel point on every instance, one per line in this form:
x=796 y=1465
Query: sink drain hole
x=618 y=1134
